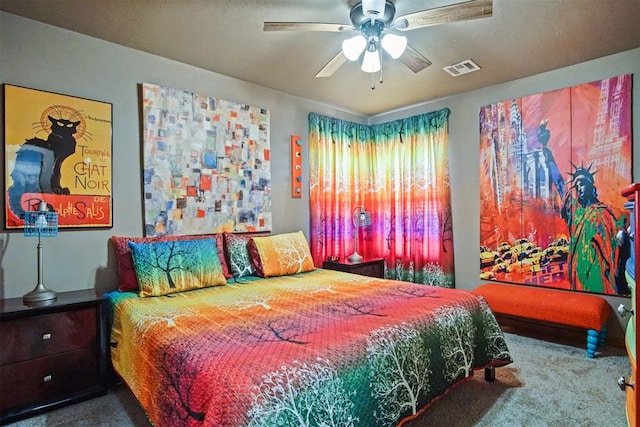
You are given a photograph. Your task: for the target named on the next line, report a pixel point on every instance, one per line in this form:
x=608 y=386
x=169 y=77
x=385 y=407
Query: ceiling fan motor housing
x=359 y=16
x=373 y=8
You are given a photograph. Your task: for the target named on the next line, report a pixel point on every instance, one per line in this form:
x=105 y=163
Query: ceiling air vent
x=464 y=67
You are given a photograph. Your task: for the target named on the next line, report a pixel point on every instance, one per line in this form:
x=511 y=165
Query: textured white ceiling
x=522 y=38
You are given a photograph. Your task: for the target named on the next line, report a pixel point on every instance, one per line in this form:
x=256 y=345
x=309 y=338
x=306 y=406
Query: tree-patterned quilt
x=322 y=348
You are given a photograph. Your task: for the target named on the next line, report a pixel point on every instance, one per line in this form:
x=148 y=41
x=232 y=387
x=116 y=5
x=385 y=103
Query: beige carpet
x=549 y=384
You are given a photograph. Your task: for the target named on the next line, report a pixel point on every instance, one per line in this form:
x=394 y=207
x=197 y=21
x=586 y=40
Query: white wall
x=464 y=139
x=43 y=57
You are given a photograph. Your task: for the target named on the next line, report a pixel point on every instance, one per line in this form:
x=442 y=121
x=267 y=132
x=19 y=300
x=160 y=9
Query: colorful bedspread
x=322 y=348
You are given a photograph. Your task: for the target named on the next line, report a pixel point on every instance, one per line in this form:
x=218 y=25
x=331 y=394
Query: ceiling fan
x=375 y=28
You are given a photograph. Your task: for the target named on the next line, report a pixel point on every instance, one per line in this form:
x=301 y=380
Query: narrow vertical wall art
x=296 y=166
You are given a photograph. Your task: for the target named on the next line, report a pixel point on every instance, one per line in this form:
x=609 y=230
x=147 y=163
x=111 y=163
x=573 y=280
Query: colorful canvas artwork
x=551 y=169
x=57 y=151
x=206 y=165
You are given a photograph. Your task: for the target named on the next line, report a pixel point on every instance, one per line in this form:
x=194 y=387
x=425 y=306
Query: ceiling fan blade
x=452 y=13
x=414 y=60
x=305 y=26
x=332 y=66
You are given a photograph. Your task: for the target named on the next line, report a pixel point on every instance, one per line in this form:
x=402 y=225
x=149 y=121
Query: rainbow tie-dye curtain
x=399 y=172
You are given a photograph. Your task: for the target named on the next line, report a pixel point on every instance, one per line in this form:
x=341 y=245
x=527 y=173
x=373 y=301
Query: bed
x=316 y=348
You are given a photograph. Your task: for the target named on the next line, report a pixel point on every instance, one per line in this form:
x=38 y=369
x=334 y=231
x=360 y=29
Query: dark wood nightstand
x=369 y=267
x=51 y=355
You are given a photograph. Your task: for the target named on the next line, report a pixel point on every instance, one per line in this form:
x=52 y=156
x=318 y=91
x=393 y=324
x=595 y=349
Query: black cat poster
x=57 y=150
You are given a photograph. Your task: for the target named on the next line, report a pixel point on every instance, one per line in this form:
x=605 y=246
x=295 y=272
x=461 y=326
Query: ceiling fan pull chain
x=373 y=85
x=380 y=54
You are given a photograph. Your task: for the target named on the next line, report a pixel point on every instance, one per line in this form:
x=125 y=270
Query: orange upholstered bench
x=580 y=310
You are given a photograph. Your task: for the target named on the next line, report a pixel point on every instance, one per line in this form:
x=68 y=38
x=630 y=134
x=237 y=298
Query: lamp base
x=40 y=293
x=355 y=257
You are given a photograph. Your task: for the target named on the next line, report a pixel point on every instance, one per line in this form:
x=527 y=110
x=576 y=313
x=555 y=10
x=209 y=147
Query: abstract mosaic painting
x=206 y=165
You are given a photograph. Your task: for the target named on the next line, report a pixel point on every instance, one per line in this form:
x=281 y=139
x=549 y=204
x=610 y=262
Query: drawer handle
x=48 y=378
x=622 y=310
x=46 y=337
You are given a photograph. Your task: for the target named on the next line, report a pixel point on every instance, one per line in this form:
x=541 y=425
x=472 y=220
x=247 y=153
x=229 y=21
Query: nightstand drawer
x=47 y=378
x=371 y=270
x=37 y=336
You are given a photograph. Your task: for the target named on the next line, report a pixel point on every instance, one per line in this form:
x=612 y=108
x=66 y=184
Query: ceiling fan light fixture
x=394 y=45
x=354 y=46
x=371 y=61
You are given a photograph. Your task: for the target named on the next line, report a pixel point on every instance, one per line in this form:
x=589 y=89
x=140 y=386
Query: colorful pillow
x=127 y=280
x=235 y=246
x=281 y=254
x=176 y=265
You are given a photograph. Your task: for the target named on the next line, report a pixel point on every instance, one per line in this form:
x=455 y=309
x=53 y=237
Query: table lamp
x=361 y=218
x=40 y=223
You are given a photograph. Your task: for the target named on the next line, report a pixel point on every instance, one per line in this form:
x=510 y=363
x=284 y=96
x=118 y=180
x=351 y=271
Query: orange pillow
x=280 y=254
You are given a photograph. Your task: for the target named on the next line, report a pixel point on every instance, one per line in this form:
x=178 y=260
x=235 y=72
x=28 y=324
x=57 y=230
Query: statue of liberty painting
x=593 y=254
